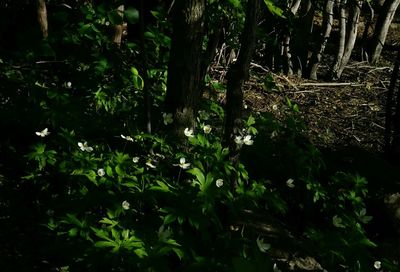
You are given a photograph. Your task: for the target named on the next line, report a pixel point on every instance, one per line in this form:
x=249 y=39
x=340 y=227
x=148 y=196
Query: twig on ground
x=330 y=84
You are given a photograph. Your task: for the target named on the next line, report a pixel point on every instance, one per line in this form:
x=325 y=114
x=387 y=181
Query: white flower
x=207 y=129
x=188 y=132
x=219 y=183
x=85 y=147
x=135 y=159
x=183 y=164
x=167 y=118
x=247 y=140
x=107 y=23
x=337 y=222
x=126 y=205
x=128 y=138
x=275 y=107
x=377 y=265
x=101 y=172
x=43 y=133
x=69 y=84
x=149 y=164
x=290 y=183
x=238 y=140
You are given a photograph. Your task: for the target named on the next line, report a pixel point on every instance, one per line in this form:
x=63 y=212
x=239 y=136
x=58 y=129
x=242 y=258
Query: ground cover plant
x=182 y=136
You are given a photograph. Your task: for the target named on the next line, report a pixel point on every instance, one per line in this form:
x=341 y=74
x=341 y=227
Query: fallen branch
x=259 y=66
x=331 y=84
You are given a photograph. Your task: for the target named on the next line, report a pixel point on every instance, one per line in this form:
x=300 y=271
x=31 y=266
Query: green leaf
x=138 y=82
x=149 y=35
x=119 y=171
x=169 y=219
x=91 y=175
x=273 y=8
x=178 y=252
x=73 y=232
x=103 y=244
x=250 y=121
x=140 y=252
x=131 y=15
x=162 y=187
x=109 y=171
x=115 y=17
x=109 y=222
x=199 y=175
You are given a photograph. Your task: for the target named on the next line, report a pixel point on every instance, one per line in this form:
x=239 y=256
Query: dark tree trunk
x=303 y=25
x=327 y=25
x=392 y=123
x=146 y=90
x=368 y=23
x=209 y=55
x=184 y=69
x=382 y=27
x=239 y=72
x=301 y=36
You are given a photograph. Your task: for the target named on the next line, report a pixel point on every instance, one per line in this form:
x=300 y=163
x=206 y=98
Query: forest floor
x=345 y=115
x=350 y=112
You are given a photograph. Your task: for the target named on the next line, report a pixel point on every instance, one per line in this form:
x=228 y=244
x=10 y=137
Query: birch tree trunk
x=119 y=29
x=382 y=27
x=342 y=35
x=42 y=17
x=327 y=24
x=351 y=30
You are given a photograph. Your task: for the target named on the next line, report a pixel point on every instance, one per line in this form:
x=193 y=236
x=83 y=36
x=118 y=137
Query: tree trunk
x=238 y=72
x=301 y=36
x=146 y=91
x=184 y=68
x=295 y=6
x=382 y=26
x=287 y=56
x=351 y=39
x=364 y=54
x=327 y=24
x=342 y=35
x=119 y=29
x=390 y=122
x=209 y=55
x=42 y=17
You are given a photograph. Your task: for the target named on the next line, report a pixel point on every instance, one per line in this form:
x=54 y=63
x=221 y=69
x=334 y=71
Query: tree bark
x=184 y=68
x=301 y=36
x=42 y=18
x=382 y=27
x=351 y=39
x=327 y=24
x=237 y=74
x=364 y=54
x=390 y=122
x=119 y=29
x=342 y=35
x=146 y=91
